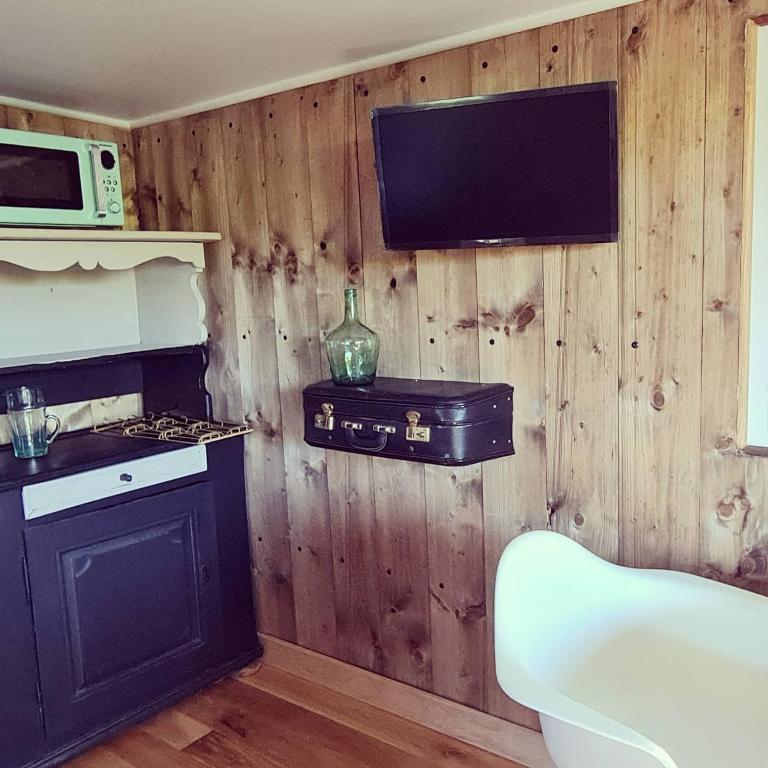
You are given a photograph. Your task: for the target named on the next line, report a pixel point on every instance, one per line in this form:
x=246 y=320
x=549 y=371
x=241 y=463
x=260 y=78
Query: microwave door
x=45 y=186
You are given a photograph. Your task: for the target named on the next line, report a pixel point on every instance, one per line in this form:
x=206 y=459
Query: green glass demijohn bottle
x=353 y=349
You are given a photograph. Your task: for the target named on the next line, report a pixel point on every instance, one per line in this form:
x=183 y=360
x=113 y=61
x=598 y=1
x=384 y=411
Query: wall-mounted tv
x=532 y=167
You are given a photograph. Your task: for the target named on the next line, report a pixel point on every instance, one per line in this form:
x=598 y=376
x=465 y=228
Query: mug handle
x=52 y=435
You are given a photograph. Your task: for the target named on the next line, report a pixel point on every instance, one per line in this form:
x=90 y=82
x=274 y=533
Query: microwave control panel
x=109 y=192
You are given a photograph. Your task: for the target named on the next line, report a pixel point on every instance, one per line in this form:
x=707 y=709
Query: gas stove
x=174 y=429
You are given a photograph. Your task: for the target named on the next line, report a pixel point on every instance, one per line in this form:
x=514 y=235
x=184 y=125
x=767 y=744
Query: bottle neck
x=350 y=305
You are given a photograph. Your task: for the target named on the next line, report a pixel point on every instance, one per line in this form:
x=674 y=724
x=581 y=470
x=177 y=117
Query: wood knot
x=712 y=573
x=578 y=519
x=716 y=305
x=355 y=272
x=291 y=263
x=724 y=444
x=636 y=37
x=658 y=399
x=524 y=315
x=725 y=511
x=754 y=563
x=466 y=322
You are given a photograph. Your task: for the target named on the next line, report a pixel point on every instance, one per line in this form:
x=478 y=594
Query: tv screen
x=519 y=168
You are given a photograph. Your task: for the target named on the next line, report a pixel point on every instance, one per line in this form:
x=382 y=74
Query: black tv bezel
x=609 y=86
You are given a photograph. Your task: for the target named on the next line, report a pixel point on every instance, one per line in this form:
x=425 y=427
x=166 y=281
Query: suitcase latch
x=415 y=433
x=324 y=420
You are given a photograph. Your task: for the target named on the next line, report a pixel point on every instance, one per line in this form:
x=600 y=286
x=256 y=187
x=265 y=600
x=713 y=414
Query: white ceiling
x=139 y=61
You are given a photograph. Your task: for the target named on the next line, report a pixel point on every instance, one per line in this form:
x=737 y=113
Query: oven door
x=53 y=180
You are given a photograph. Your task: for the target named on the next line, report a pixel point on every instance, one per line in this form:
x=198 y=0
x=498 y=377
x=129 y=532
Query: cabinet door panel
x=126 y=604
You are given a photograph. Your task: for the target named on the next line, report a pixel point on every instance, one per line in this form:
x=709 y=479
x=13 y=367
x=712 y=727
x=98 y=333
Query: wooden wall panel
x=242 y=127
x=448 y=343
x=624 y=431
x=510 y=299
x=329 y=111
x=664 y=66
x=581 y=296
x=391 y=304
x=726 y=502
x=299 y=363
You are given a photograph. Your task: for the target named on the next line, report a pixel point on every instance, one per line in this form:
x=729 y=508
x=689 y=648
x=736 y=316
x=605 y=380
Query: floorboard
x=265 y=717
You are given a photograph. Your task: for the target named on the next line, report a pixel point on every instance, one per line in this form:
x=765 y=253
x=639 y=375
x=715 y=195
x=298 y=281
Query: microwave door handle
x=98 y=187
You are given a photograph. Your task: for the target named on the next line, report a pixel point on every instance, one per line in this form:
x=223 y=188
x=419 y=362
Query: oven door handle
x=98 y=187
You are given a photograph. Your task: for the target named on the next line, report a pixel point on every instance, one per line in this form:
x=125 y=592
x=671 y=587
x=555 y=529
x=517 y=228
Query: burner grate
x=174 y=429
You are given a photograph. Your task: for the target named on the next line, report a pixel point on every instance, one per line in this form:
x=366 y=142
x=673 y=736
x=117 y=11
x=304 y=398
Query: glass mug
x=29 y=422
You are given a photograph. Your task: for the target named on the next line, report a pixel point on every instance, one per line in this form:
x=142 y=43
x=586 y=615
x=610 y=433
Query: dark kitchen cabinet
x=113 y=609
x=127 y=604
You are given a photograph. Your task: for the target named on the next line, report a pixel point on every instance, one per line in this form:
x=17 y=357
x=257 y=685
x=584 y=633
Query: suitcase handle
x=379 y=443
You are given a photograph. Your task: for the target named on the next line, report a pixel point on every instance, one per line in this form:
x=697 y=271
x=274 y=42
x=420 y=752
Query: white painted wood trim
x=757 y=386
x=471 y=726
x=77 y=114
x=58 y=255
x=106 y=235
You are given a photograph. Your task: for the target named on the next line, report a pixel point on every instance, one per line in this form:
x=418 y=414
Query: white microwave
x=58 y=181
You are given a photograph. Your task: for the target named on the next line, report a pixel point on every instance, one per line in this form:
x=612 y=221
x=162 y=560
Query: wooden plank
x=140 y=749
x=329 y=114
x=253 y=306
x=3 y=116
x=510 y=298
x=98 y=757
x=663 y=64
x=175 y=728
x=372 y=721
x=220 y=751
x=391 y=304
x=172 y=182
x=725 y=498
x=581 y=329
x=28 y=120
x=146 y=200
x=208 y=202
x=298 y=354
x=447 y=297
x=463 y=723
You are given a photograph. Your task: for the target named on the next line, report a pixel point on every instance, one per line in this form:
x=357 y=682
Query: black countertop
x=76 y=452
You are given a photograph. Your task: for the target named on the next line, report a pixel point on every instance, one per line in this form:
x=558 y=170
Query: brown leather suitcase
x=437 y=422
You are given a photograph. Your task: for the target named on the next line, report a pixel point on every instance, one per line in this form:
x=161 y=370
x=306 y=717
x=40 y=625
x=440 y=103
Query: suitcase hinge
x=415 y=433
x=324 y=420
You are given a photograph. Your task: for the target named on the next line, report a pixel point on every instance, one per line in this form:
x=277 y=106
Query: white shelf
x=72 y=294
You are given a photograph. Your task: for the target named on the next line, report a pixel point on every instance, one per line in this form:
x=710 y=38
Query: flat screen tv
x=532 y=167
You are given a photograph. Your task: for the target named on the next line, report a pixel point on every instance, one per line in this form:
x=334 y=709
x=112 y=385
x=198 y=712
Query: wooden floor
x=266 y=718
